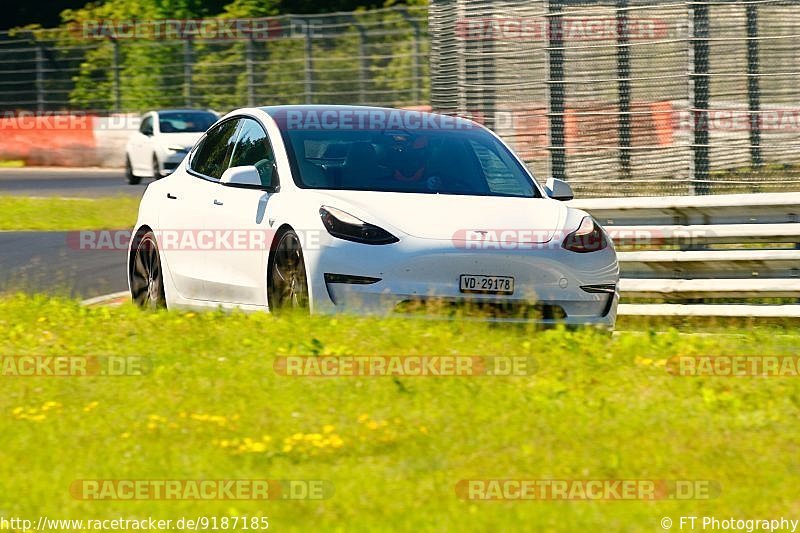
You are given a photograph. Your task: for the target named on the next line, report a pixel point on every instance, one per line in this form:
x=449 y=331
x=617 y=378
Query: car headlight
x=589 y=237
x=346 y=226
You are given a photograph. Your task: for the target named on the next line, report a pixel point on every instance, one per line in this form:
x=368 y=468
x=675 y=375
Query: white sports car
x=163 y=140
x=368 y=210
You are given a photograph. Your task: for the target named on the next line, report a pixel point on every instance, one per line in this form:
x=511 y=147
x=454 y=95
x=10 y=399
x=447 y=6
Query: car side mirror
x=558 y=190
x=251 y=177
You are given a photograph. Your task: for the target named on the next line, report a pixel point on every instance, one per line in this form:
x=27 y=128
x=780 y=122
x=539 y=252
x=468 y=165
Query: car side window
x=146 y=127
x=253 y=148
x=212 y=156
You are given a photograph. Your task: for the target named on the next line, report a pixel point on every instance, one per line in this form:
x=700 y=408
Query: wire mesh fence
x=630 y=96
x=616 y=96
x=375 y=57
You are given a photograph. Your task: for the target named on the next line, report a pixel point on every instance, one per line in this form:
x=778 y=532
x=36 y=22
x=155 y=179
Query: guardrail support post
x=624 y=89
x=753 y=88
x=555 y=60
x=699 y=91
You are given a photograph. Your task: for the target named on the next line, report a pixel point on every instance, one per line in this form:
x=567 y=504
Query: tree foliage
x=369 y=57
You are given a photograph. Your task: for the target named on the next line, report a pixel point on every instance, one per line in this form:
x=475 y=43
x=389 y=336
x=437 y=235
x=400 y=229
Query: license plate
x=486 y=284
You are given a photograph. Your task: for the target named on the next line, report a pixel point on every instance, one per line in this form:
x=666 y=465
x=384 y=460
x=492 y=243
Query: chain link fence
x=630 y=97
x=375 y=57
x=619 y=97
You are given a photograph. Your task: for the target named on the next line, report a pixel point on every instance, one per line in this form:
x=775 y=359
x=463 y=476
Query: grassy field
x=213 y=407
x=21 y=213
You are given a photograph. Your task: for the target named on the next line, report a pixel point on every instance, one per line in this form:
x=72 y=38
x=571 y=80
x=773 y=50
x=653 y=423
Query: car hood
x=186 y=140
x=455 y=217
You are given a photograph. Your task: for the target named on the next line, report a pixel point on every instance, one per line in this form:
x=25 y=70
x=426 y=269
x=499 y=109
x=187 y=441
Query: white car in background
x=163 y=140
x=334 y=209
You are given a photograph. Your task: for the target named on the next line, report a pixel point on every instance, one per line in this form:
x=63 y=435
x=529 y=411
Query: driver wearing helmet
x=409 y=157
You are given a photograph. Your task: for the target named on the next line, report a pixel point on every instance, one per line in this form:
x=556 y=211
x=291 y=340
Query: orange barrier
x=64 y=140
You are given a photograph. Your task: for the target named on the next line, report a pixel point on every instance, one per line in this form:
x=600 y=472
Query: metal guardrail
x=726 y=255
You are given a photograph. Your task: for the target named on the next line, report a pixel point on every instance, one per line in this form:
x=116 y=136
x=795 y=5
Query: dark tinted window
x=146 y=127
x=212 y=156
x=469 y=162
x=185 y=121
x=253 y=148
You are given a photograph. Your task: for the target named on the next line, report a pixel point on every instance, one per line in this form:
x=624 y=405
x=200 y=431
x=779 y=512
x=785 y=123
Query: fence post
x=555 y=60
x=309 y=66
x=416 y=74
x=362 y=63
x=753 y=88
x=698 y=97
x=487 y=76
x=250 y=71
x=40 y=100
x=187 y=72
x=624 y=89
x=117 y=86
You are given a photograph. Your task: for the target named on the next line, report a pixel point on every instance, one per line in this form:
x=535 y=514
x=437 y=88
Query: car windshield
x=185 y=121
x=470 y=161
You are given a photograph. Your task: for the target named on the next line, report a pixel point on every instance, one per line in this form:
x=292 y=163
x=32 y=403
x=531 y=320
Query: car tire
x=129 y=175
x=145 y=273
x=287 y=284
x=156 y=169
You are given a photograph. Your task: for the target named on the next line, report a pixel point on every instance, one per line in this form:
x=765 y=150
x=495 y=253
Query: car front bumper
x=420 y=277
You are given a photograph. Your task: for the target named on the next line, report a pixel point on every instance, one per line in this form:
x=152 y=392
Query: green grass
x=598 y=407
x=21 y=213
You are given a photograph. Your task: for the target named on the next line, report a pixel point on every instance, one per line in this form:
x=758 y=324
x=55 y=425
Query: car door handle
x=217 y=202
x=171 y=197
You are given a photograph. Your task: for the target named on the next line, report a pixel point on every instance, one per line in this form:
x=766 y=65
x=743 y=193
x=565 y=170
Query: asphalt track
x=81 y=183
x=48 y=261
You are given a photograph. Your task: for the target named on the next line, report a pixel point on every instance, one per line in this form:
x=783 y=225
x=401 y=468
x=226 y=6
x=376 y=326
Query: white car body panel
x=425 y=264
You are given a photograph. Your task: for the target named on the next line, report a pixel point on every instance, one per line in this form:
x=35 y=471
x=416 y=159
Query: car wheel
x=156 y=169
x=132 y=179
x=287 y=287
x=147 y=280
